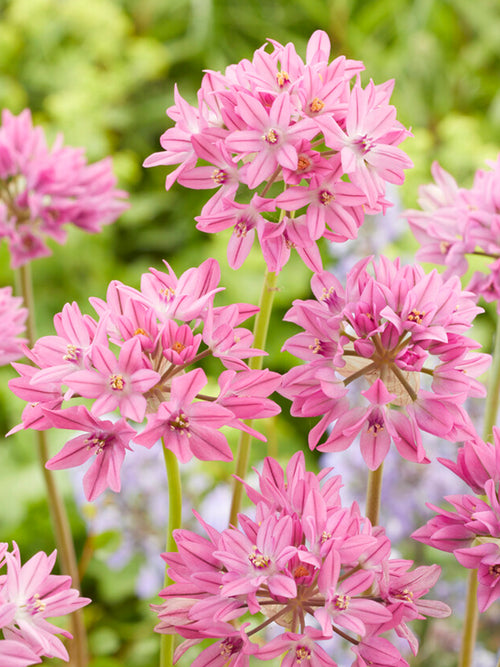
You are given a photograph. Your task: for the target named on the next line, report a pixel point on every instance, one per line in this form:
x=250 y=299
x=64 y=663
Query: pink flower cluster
x=399 y=332
x=305 y=563
x=455 y=223
x=136 y=358
x=471 y=531
x=43 y=189
x=321 y=146
x=29 y=596
x=12 y=324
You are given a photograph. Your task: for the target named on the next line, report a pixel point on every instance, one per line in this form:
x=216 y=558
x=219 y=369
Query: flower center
x=73 y=353
x=316 y=105
x=219 y=176
x=300 y=571
x=241 y=228
x=117 y=382
x=326 y=197
x=178 y=346
x=230 y=646
x=494 y=570
x=259 y=561
x=405 y=595
x=302 y=653
x=140 y=332
x=35 y=606
x=271 y=137
x=282 y=78
x=97 y=442
x=303 y=163
x=181 y=424
x=341 y=602
x=416 y=316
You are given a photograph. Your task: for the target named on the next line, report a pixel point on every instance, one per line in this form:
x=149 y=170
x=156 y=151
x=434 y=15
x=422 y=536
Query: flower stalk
x=261 y=328
x=174 y=522
x=490 y=414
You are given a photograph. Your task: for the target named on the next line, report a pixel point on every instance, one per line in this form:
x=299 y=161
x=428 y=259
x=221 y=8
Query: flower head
x=400 y=333
x=42 y=189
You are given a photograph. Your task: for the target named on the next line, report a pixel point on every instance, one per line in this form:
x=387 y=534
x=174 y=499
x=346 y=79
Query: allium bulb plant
x=138 y=359
x=29 y=596
x=294 y=151
x=43 y=189
x=385 y=358
x=304 y=563
x=320 y=147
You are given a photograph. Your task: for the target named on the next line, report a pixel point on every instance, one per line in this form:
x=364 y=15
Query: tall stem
x=260 y=335
x=174 y=522
x=60 y=521
x=470 y=622
x=373 y=493
x=490 y=415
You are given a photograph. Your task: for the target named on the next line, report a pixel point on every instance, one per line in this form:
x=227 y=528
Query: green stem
x=174 y=522
x=373 y=493
x=490 y=416
x=259 y=341
x=470 y=622
x=60 y=521
x=492 y=398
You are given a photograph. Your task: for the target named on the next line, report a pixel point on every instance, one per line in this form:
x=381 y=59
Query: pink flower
x=300 y=559
x=268 y=121
x=45 y=189
x=400 y=332
x=105 y=440
x=12 y=324
x=31 y=595
x=115 y=382
x=189 y=428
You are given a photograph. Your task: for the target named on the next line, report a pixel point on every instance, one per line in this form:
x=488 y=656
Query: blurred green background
x=103 y=71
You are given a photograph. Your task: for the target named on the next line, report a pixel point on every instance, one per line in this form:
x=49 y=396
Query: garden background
x=103 y=73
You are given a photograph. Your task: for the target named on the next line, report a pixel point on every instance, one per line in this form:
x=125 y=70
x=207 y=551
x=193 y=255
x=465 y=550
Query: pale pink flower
x=44 y=189
x=12 y=324
x=32 y=595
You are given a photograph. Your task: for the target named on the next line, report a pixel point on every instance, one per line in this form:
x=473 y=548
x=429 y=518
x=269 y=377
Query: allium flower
x=302 y=561
x=12 y=324
x=399 y=332
x=29 y=595
x=139 y=358
x=457 y=223
x=303 y=133
x=42 y=189
x=471 y=530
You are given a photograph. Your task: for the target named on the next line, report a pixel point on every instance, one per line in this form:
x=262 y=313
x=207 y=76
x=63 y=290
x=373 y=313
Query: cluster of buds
x=455 y=223
x=305 y=563
x=309 y=128
x=398 y=331
x=29 y=596
x=42 y=189
x=137 y=359
x=471 y=531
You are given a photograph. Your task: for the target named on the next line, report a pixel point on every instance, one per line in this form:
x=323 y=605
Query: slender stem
x=470 y=622
x=174 y=522
x=60 y=521
x=373 y=493
x=490 y=415
x=492 y=398
x=259 y=341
